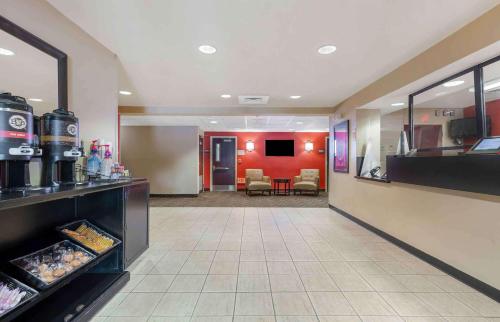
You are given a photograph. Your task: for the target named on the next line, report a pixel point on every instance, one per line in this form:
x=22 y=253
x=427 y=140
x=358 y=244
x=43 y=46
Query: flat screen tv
x=466 y=127
x=280 y=148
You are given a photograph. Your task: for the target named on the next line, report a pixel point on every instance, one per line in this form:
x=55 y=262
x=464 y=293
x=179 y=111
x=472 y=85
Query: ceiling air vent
x=253 y=99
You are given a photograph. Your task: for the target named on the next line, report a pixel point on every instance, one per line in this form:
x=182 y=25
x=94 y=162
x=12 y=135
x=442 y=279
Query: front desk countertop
x=472 y=173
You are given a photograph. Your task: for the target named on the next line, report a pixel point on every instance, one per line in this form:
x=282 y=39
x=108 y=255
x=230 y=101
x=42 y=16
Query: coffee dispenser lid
x=7 y=100
x=60 y=113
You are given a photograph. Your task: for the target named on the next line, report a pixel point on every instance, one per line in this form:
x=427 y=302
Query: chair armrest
x=266 y=178
x=297 y=179
x=247 y=181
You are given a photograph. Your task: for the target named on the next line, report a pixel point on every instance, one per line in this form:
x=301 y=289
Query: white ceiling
x=263 y=47
x=440 y=96
x=29 y=73
x=234 y=123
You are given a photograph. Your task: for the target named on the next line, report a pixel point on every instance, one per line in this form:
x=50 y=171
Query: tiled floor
x=283 y=265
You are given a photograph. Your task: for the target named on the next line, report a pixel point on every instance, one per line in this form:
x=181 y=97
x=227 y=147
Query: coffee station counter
x=35 y=195
x=31 y=222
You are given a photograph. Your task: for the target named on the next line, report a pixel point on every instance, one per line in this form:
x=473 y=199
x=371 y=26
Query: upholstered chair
x=255 y=180
x=307 y=181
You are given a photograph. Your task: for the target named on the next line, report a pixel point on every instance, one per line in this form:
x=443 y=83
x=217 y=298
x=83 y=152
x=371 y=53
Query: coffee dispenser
x=16 y=136
x=60 y=144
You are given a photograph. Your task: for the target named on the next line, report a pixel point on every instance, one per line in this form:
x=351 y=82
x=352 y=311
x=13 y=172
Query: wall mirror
x=29 y=73
x=32 y=68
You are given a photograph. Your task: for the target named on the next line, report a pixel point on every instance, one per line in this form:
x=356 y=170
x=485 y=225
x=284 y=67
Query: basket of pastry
x=89 y=236
x=52 y=264
x=13 y=294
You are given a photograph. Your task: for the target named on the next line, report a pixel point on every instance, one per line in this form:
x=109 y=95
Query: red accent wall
x=275 y=167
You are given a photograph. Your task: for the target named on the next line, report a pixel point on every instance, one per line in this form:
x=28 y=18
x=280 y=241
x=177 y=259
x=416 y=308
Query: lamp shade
x=309 y=146
x=250 y=146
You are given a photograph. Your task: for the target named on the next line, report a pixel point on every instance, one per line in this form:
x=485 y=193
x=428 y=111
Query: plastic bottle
x=106 y=164
x=93 y=162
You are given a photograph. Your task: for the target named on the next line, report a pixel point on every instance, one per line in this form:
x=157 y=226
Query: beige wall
x=166 y=155
x=93 y=77
x=461 y=229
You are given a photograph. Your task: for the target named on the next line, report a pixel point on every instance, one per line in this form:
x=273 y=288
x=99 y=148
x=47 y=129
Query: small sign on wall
x=241 y=180
x=241 y=152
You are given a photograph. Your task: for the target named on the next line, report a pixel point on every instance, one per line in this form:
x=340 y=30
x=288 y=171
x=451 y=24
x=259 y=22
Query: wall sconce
x=309 y=146
x=250 y=146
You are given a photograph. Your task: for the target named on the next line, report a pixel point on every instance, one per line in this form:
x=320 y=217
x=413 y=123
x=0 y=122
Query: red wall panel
x=283 y=167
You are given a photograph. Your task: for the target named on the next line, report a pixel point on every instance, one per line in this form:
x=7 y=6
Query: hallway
x=283 y=264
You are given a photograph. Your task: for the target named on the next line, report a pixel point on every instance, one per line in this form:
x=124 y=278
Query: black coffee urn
x=60 y=145
x=16 y=138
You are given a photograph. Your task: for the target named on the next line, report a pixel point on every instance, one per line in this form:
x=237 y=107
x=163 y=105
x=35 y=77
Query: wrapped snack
x=54 y=263
x=10 y=297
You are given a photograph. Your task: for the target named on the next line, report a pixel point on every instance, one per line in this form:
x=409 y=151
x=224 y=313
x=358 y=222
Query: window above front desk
x=448 y=117
x=443 y=119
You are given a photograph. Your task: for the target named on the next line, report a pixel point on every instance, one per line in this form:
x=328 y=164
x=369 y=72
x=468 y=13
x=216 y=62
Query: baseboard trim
x=465 y=278
x=166 y=195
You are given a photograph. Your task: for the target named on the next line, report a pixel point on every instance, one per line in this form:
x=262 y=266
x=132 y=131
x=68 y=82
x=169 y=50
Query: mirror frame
x=478 y=99
x=61 y=57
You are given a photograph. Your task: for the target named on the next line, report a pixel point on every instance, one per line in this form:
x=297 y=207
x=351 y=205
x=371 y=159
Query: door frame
x=235 y=159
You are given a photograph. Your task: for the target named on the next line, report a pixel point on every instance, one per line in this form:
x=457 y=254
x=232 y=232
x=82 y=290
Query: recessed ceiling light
x=291 y=129
x=491 y=86
x=225 y=96
x=125 y=93
x=295 y=97
x=35 y=99
x=440 y=93
x=299 y=122
x=207 y=49
x=327 y=49
x=454 y=83
x=6 y=52
x=213 y=122
x=398 y=104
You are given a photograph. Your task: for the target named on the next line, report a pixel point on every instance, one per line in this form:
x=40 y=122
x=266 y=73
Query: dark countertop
x=471 y=173
x=36 y=195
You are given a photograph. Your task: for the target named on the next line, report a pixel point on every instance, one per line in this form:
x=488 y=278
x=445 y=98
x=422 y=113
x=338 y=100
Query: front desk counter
x=472 y=173
x=28 y=223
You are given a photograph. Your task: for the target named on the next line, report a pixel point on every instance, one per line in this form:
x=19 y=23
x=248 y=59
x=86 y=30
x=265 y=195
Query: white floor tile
x=215 y=304
x=254 y=304
x=319 y=267
x=220 y=283
x=331 y=303
x=292 y=304
x=176 y=304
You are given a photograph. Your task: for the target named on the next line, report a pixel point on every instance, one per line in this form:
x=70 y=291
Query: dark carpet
x=240 y=199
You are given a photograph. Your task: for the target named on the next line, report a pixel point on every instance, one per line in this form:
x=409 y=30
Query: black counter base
x=79 y=300
x=119 y=208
